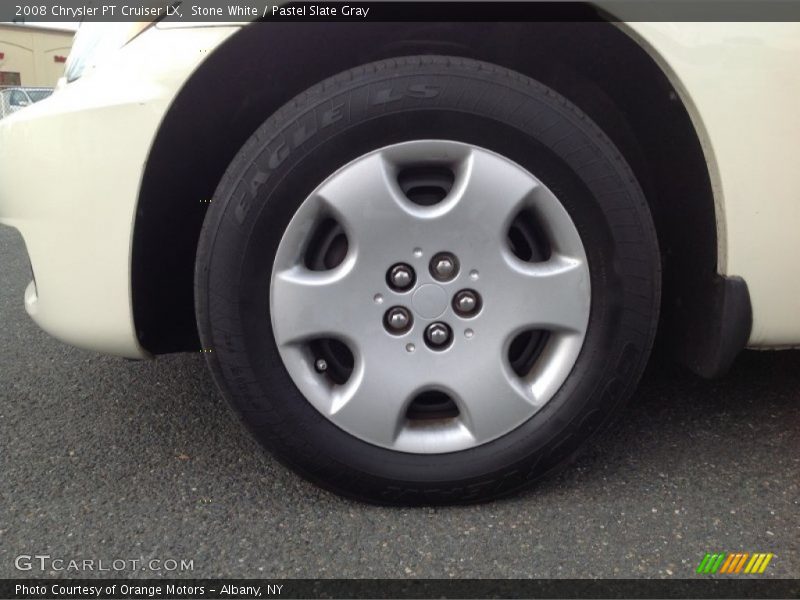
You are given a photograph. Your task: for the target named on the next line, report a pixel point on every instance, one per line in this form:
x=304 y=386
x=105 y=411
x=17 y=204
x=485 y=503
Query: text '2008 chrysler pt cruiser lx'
x=426 y=267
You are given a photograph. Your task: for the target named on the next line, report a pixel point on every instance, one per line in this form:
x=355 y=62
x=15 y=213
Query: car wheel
x=427 y=279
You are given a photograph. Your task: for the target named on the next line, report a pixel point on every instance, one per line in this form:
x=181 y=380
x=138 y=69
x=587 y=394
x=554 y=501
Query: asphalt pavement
x=105 y=459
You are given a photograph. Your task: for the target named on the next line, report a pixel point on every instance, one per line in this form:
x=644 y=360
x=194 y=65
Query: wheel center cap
x=429 y=301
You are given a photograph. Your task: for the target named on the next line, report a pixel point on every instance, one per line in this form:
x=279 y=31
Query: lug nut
x=438 y=335
x=397 y=319
x=467 y=303
x=444 y=266
x=321 y=365
x=401 y=277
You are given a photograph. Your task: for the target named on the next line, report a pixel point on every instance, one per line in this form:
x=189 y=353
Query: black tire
x=447 y=98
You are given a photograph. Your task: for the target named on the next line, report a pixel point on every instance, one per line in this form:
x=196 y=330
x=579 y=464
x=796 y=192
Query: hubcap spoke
x=363 y=196
x=373 y=402
x=490 y=193
x=310 y=304
x=493 y=400
x=552 y=295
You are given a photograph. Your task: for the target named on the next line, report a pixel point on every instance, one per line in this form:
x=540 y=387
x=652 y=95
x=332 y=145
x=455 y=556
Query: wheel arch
x=610 y=75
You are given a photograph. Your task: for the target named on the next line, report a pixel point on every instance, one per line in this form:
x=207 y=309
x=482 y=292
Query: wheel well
x=596 y=65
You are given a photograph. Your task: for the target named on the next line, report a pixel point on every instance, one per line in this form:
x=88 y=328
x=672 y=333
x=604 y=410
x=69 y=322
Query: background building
x=31 y=55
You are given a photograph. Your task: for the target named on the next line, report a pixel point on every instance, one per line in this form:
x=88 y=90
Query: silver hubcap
x=431 y=299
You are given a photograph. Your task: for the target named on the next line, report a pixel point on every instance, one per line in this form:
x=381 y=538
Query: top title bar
x=209 y=11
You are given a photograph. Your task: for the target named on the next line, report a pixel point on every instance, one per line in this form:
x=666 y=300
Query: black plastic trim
x=718 y=323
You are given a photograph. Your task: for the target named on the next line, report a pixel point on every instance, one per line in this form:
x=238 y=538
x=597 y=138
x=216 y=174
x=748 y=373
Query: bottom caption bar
x=66 y=589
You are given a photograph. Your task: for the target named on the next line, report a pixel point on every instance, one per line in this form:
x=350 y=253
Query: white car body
x=79 y=241
x=738 y=81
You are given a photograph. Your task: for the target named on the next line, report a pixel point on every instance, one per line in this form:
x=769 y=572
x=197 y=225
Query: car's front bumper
x=70 y=171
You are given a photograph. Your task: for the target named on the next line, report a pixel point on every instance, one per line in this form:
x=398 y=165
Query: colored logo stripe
x=734 y=562
x=727 y=564
x=758 y=563
x=710 y=563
